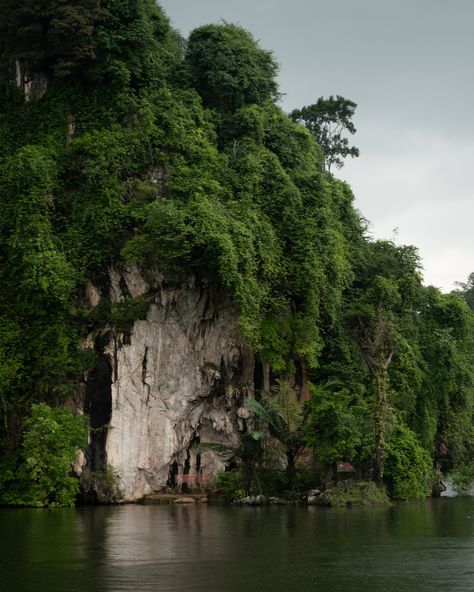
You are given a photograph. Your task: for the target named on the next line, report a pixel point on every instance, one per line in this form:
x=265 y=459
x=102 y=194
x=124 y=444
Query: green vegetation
x=50 y=35
x=285 y=418
x=409 y=469
x=39 y=473
x=104 y=485
x=228 y=69
x=348 y=493
x=228 y=486
x=184 y=162
x=336 y=424
x=328 y=120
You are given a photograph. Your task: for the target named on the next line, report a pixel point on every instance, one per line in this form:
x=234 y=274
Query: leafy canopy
x=229 y=69
x=328 y=120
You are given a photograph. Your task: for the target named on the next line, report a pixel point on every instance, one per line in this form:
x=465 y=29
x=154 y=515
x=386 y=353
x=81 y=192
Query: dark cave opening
x=98 y=406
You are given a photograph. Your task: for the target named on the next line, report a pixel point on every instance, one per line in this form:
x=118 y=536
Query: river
x=412 y=547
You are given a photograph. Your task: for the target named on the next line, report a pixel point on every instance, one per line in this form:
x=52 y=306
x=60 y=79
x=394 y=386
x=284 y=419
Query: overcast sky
x=408 y=66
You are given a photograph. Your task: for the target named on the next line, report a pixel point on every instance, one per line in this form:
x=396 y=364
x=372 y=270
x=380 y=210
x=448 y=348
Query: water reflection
x=415 y=547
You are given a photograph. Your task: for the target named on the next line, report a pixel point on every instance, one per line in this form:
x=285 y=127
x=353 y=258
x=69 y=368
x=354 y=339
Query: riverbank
x=342 y=494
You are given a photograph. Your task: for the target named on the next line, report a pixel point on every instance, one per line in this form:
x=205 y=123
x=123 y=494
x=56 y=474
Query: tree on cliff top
x=328 y=120
x=229 y=69
x=466 y=290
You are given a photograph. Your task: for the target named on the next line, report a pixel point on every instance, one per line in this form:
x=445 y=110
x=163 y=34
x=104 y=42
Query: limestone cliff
x=177 y=378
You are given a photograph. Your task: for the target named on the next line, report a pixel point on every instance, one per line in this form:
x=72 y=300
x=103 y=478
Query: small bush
x=349 y=493
x=105 y=485
x=228 y=486
x=272 y=480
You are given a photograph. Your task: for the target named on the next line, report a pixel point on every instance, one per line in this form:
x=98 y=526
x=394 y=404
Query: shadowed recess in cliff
x=98 y=405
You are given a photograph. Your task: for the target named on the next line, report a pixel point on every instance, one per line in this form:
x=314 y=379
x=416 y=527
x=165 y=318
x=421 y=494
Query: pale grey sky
x=407 y=63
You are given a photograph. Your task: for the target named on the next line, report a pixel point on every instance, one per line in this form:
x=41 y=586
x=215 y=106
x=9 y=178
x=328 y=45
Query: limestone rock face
x=176 y=379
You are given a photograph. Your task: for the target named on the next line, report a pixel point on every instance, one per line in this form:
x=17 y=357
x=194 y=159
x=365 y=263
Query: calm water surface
x=427 y=546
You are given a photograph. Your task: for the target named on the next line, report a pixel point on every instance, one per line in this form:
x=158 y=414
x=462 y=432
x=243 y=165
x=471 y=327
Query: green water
x=416 y=547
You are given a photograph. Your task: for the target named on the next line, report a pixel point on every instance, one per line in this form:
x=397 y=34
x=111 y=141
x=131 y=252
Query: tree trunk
x=305 y=392
x=290 y=468
x=381 y=419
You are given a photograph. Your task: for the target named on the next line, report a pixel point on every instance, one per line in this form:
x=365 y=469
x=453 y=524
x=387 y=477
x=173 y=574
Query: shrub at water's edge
x=39 y=474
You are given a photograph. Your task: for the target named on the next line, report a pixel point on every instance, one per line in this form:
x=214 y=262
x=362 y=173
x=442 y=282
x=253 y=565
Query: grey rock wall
x=178 y=378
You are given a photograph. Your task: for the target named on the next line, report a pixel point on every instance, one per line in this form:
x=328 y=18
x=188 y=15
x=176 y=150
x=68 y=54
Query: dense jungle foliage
x=160 y=151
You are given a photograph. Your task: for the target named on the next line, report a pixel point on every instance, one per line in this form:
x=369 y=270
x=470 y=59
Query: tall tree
x=328 y=120
x=379 y=313
x=466 y=290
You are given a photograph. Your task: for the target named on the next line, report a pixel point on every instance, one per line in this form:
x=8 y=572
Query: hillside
x=171 y=247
